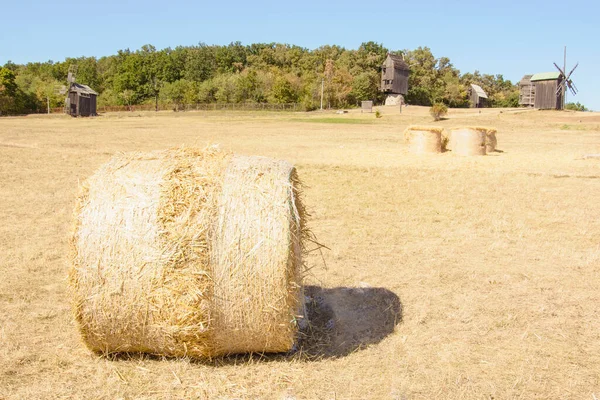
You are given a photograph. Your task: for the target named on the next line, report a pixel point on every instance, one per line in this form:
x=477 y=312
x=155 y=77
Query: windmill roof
x=545 y=76
x=480 y=92
x=526 y=80
x=399 y=62
x=79 y=88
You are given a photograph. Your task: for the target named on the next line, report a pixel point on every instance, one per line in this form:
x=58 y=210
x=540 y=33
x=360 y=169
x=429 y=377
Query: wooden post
x=322 y=87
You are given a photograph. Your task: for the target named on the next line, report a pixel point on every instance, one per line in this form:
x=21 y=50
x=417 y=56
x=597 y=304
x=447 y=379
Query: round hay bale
x=189 y=253
x=424 y=139
x=468 y=141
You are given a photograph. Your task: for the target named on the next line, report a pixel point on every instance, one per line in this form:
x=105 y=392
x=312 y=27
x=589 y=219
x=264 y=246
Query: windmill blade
x=560 y=86
x=558 y=68
x=72 y=73
x=568 y=76
x=572 y=86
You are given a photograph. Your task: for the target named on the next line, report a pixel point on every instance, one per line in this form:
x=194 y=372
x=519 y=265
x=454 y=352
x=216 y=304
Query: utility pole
x=48 y=99
x=564 y=86
x=322 y=87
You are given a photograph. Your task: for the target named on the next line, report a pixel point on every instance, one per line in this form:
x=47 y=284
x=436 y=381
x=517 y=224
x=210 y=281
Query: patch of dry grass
x=447 y=277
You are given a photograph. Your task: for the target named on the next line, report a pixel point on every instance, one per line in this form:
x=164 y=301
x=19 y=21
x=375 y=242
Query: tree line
x=236 y=73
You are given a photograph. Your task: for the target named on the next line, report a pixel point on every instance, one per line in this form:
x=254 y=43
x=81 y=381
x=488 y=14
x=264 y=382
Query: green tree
x=179 y=93
x=423 y=85
x=207 y=91
x=369 y=57
x=231 y=58
x=365 y=86
x=127 y=96
x=455 y=93
x=283 y=91
x=200 y=63
x=109 y=98
x=8 y=91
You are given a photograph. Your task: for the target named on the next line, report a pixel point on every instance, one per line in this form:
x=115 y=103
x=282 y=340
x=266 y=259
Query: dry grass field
x=445 y=277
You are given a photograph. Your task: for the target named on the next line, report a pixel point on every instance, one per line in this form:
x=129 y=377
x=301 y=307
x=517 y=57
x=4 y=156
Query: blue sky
x=510 y=37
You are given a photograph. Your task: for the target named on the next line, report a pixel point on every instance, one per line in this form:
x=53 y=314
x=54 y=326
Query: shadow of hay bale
x=343 y=320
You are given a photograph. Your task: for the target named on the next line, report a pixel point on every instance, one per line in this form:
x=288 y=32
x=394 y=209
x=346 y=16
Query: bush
x=438 y=110
x=308 y=103
x=378 y=114
x=575 y=107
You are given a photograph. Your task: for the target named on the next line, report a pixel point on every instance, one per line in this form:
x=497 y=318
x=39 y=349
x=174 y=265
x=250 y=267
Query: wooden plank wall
x=546 y=97
x=394 y=80
x=527 y=95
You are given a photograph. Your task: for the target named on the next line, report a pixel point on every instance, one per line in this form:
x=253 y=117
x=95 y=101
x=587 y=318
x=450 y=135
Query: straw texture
x=188 y=253
x=468 y=141
x=490 y=140
x=424 y=139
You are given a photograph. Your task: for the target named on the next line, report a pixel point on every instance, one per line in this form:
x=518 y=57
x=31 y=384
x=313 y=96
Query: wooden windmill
x=81 y=99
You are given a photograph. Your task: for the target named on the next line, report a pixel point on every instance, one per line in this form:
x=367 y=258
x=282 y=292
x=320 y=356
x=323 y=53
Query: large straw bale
x=468 y=141
x=424 y=139
x=188 y=253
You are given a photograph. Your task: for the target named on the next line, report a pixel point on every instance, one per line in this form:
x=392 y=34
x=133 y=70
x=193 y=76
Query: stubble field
x=444 y=277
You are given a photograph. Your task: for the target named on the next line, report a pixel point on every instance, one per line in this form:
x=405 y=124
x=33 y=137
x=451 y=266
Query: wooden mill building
x=394 y=77
x=81 y=101
x=547 y=96
x=477 y=96
x=526 y=91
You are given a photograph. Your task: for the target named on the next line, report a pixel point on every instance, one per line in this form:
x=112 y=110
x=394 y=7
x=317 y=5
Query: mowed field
x=444 y=277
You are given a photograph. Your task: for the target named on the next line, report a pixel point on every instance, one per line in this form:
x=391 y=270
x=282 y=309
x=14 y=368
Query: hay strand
x=490 y=140
x=188 y=253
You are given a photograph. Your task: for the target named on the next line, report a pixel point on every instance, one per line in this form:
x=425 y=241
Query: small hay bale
x=424 y=139
x=468 y=141
x=189 y=252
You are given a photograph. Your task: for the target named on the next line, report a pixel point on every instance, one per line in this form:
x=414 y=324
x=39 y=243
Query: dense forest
x=260 y=73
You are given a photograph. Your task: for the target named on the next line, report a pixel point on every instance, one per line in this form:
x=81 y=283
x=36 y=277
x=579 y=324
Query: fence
x=187 y=107
x=206 y=107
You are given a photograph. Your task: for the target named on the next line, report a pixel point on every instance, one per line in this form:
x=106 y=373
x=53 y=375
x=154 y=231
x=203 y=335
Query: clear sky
x=508 y=37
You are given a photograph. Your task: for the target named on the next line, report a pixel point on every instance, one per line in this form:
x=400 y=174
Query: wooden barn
x=394 y=77
x=547 y=95
x=526 y=91
x=81 y=101
x=477 y=96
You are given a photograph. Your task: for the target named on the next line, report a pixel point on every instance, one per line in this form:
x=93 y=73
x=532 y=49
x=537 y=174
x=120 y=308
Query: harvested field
x=444 y=277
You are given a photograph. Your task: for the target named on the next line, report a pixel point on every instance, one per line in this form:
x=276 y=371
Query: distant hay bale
x=424 y=139
x=468 y=141
x=189 y=253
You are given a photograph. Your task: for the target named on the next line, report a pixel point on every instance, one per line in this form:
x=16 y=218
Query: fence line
x=205 y=107
x=186 y=107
